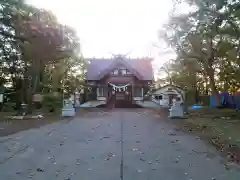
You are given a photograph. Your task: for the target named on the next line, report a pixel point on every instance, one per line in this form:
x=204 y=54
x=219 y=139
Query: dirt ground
x=221 y=128
x=10 y=126
x=111 y=144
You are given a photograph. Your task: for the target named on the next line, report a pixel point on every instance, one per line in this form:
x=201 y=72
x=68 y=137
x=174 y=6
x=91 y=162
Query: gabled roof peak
x=142 y=66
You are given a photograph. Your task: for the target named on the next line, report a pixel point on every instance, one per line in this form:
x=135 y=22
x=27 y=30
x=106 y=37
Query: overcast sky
x=114 y=26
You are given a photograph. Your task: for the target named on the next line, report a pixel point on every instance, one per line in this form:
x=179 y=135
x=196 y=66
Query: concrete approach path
x=112 y=145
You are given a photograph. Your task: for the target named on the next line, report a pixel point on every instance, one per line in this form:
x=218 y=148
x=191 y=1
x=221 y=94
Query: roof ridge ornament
x=120 y=56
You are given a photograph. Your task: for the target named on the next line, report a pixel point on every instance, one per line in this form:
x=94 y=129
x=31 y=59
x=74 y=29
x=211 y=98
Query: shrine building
x=119 y=80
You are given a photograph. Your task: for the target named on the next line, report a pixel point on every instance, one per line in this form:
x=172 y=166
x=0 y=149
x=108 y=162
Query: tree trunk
x=32 y=90
x=170 y=80
x=214 y=89
x=196 y=93
x=206 y=85
x=194 y=86
x=225 y=86
x=33 y=85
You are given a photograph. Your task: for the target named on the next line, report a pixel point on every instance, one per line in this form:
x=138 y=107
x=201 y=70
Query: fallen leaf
x=30 y=176
x=178 y=129
x=172 y=134
x=40 y=170
x=107 y=159
x=110 y=154
x=175 y=141
x=134 y=149
x=105 y=137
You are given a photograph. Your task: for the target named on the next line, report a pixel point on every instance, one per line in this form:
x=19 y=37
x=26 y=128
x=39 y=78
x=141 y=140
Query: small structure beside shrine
x=166 y=95
x=119 y=81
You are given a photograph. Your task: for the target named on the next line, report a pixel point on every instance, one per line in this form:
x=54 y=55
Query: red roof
x=143 y=67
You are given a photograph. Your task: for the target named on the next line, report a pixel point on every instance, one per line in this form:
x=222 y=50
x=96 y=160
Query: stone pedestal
x=68 y=110
x=176 y=111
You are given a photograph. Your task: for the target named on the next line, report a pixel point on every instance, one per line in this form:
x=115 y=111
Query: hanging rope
x=119 y=88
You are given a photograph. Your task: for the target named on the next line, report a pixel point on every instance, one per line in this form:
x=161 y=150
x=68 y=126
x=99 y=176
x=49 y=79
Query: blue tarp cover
x=228 y=100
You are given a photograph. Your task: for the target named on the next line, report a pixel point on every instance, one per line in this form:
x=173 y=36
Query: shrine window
x=115 y=72
x=158 y=97
x=128 y=72
x=100 y=91
x=123 y=71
